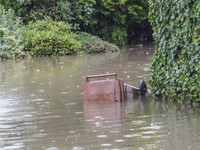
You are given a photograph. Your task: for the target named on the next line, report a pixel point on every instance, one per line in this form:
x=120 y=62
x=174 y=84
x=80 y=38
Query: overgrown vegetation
x=48 y=37
x=44 y=37
x=119 y=22
x=93 y=44
x=175 y=70
x=10 y=34
x=122 y=21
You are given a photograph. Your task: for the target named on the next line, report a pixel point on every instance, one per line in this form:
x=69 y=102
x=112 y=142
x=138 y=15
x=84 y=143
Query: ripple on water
x=52 y=148
x=15 y=89
x=14 y=146
x=77 y=148
x=99 y=117
x=38 y=100
x=69 y=104
x=119 y=141
x=78 y=113
x=64 y=93
x=156 y=127
x=72 y=132
x=41 y=90
x=147 y=137
x=132 y=135
x=151 y=146
x=149 y=132
x=6 y=126
x=106 y=144
x=138 y=122
x=89 y=120
x=98 y=124
x=107 y=127
x=114 y=131
x=102 y=136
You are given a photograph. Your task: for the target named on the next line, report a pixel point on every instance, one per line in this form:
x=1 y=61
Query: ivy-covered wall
x=175 y=70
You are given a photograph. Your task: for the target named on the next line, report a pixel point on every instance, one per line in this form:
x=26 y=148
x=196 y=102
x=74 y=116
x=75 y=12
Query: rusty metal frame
x=117 y=83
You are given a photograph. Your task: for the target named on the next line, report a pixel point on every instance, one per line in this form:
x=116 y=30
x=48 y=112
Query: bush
x=48 y=37
x=10 y=34
x=93 y=44
x=118 y=21
x=175 y=70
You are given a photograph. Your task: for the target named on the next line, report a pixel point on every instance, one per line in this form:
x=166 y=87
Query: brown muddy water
x=42 y=107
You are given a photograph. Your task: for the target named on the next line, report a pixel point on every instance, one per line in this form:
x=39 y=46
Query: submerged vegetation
x=175 y=70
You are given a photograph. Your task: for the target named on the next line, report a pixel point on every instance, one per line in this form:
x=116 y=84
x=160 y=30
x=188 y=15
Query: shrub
x=93 y=44
x=10 y=34
x=48 y=37
x=118 y=21
x=175 y=70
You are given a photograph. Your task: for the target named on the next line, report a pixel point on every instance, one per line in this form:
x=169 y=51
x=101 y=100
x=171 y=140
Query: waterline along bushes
x=93 y=44
x=48 y=37
x=10 y=34
x=175 y=70
x=116 y=21
x=44 y=37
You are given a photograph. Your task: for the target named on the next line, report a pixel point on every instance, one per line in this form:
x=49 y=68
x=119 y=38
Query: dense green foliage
x=48 y=37
x=93 y=44
x=75 y=12
x=118 y=22
x=44 y=37
x=10 y=34
x=121 y=21
x=175 y=70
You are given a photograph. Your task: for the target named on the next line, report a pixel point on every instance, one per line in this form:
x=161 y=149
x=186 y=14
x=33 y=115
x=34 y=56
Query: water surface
x=41 y=106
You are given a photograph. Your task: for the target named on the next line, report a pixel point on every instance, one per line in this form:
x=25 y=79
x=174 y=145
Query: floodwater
x=42 y=107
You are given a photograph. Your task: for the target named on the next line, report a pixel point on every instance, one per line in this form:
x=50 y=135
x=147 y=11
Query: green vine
x=175 y=70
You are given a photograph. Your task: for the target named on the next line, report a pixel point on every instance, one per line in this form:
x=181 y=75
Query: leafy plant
x=93 y=44
x=76 y=12
x=175 y=70
x=48 y=37
x=116 y=21
x=119 y=22
x=10 y=34
x=1 y=33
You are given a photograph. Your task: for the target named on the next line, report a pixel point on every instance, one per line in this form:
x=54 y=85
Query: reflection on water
x=41 y=106
x=103 y=115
